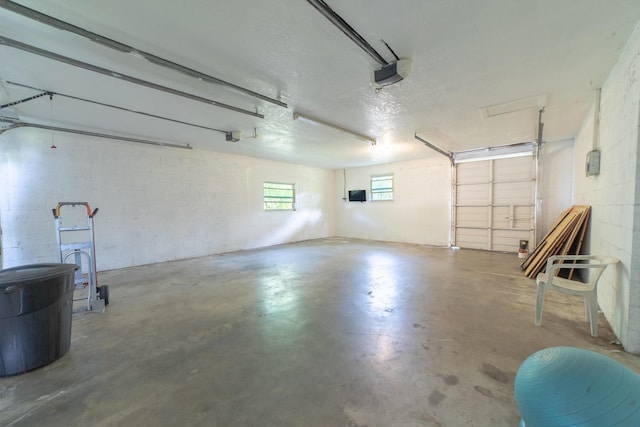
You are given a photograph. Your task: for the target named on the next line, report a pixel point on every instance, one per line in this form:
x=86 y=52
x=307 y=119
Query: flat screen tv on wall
x=357 y=195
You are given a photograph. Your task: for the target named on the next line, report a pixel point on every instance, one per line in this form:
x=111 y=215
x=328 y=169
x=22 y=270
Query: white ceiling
x=466 y=55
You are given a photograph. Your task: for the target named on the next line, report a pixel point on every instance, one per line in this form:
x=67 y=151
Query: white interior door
x=494 y=204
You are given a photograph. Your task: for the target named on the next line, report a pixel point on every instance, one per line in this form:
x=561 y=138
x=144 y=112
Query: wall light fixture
x=314 y=121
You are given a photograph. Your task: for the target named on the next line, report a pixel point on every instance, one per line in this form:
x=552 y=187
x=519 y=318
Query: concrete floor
x=330 y=332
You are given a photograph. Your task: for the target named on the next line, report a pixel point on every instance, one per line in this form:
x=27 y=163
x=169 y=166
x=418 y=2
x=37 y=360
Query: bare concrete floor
x=330 y=332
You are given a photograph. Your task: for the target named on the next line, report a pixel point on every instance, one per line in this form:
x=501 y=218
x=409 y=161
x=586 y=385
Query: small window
x=382 y=187
x=279 y=197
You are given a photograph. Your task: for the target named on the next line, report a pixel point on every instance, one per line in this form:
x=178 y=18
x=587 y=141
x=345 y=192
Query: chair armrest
x=552 y=265
x=571 y=257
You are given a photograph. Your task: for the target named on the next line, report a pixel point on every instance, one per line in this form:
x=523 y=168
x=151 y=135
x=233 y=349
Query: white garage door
x=494 y=204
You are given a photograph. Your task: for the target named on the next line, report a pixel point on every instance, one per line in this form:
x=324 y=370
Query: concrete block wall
x=614 y=194
x=420 y=212
x=556 y=176
x=156 y=203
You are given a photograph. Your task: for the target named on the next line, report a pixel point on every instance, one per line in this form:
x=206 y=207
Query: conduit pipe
x=113 y=44
x=76 y=63
x=596 y=120
x=18 y=124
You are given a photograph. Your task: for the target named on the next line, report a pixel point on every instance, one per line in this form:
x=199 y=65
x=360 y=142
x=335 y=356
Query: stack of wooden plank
x=564 y=237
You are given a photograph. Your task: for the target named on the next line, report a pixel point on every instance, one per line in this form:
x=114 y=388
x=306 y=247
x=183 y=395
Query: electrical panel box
x=593 y=163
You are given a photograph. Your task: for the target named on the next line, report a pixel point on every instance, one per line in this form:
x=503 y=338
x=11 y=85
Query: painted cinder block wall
x=556 y=181
x=614 y=193
x=156 y=203
x=421 y=209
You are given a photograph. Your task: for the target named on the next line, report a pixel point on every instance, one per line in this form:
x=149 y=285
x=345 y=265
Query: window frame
x=289 y=200
x=387 y=190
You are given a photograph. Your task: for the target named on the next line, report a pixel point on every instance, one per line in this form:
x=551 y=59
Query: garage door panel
x=501 y=217
x=473 y=216
x=471 y=173
x=471 y=238
x=473 y=194
x=523 y=217
x=513 y=193
x=512 y=217
x=513 y=169
x=506 y=240
x=501 y=223
x=503 y=211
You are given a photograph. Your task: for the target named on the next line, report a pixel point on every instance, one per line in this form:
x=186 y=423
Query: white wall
x=419 y=213
x=156 y=203
x=556 y=181
x=613 y=194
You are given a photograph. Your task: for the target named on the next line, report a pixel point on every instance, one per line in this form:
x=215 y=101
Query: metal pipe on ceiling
x=113 y=44
x=347 y=29
x=155 y=116
x=104 y=71
x=447 y=154
x=18 y=124
x=11 y=126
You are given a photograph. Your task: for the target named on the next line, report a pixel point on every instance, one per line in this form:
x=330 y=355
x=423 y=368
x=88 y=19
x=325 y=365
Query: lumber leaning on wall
x=565 y=236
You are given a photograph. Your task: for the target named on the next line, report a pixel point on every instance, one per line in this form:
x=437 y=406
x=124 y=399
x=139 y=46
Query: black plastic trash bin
x=36 y=304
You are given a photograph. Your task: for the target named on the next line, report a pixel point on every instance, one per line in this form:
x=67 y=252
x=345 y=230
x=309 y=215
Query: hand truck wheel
x=103 y=293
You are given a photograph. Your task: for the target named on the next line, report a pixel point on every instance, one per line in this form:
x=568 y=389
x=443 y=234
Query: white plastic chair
x=549 y=280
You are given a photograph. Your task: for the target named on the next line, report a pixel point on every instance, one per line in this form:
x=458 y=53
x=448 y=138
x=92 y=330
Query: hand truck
x=97 y=296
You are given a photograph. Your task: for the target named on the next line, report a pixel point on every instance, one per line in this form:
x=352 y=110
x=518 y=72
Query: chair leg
x=542 y=288
x=591 y=302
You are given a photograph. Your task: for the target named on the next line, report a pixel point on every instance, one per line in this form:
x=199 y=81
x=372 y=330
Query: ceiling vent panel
x=535 y=102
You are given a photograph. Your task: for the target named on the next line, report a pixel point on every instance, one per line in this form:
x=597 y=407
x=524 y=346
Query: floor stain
x=356 y=416
x=494 y=373
x=436 y=397
x=430 y=419
x=451 y=379
x=483 y=391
